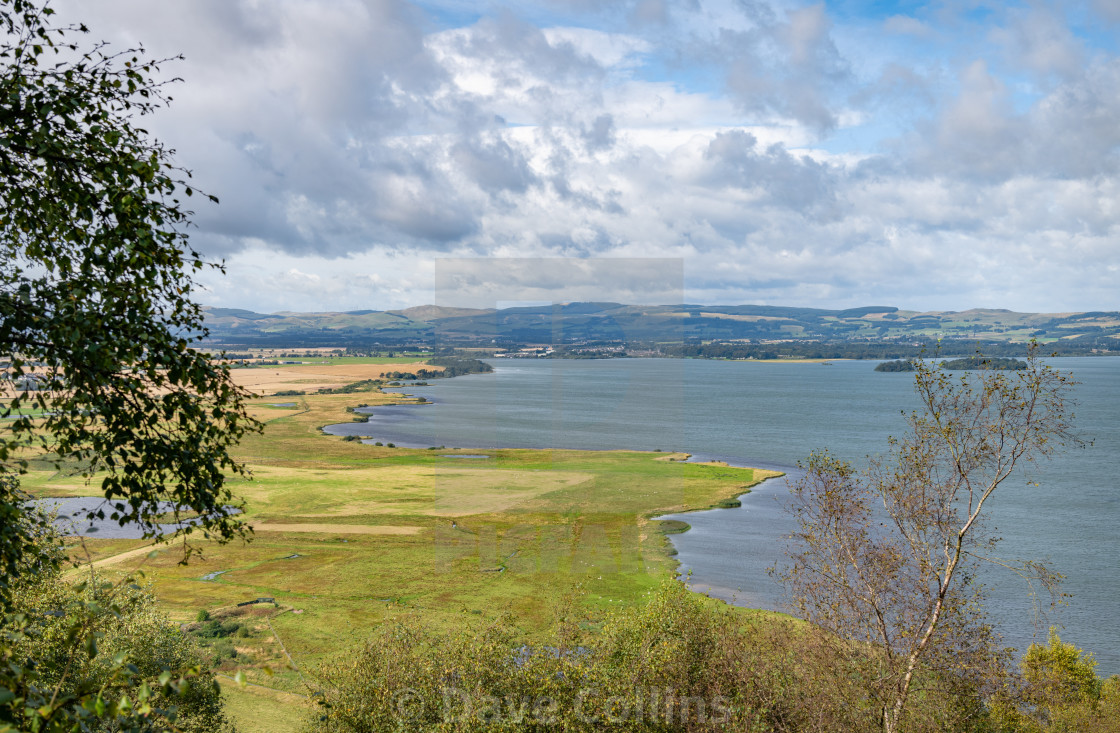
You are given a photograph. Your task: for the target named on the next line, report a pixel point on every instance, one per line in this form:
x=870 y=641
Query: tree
x=98 y=336
x=1059 y=675
x=887 y=558
x=96 y=277
x=1058 y=690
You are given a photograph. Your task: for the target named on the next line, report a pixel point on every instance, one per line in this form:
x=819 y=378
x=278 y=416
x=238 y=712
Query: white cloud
x=785 y=153
x=610 y=50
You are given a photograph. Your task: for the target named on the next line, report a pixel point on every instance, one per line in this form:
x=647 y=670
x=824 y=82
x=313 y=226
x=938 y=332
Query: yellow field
x=311 y=377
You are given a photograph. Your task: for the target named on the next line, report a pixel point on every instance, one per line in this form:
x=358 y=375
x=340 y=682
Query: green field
x=349 y=536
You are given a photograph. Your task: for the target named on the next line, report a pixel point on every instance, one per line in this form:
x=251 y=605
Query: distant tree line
x=363 y=385
x=453 y=366
x=839 y=342
x=911 y=349
x=377 y=350
x=985 y=362
x=803 y=350
x=899 y=365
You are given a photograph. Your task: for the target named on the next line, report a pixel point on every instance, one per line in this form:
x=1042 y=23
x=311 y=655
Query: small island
x=970 y=362
x=985 y=362
x=898 y=365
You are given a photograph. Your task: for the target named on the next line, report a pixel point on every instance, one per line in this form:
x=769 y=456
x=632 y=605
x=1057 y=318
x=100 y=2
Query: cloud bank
x=787 y=153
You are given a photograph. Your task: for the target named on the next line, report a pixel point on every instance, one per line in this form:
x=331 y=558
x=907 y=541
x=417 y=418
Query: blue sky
x=924 y=155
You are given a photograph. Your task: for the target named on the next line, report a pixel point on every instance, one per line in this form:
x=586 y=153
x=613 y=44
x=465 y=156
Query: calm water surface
x=72 y=518
x=771 y=416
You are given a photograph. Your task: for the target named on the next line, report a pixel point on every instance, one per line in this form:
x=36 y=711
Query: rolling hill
x=570 y=324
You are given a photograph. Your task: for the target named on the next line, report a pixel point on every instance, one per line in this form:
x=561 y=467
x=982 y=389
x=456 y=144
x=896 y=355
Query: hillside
x=616 y=323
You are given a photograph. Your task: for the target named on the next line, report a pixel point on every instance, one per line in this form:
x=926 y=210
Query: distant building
x=27 y=382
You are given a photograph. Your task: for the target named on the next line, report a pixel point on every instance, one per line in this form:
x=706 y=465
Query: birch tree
x=99 y=337
x=886 y=558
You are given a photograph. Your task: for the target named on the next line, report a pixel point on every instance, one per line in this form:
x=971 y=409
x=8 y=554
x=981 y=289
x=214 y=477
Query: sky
x=928 y=156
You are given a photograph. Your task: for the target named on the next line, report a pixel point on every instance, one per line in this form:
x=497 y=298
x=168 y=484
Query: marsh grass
x=503 y=539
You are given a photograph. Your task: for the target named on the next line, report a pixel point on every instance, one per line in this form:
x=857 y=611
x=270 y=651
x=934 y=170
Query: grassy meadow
x=348 y=536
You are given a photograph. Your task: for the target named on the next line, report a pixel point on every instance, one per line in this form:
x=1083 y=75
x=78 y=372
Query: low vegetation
x=107 y=650
x=988 y=363
x=681 y=662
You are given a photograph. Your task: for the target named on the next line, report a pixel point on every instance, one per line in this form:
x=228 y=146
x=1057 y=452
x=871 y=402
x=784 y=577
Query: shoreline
x=759 y=475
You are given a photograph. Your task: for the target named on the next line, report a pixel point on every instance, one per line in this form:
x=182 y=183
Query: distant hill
x=617 y=323
x=436 y=312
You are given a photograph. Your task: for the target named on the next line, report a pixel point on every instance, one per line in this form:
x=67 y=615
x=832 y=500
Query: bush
x=680 y=663
x=132 y=638
x=215 y=629
x=223 y=650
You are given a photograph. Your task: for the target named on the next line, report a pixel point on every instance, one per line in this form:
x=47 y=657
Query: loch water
x=772 y=415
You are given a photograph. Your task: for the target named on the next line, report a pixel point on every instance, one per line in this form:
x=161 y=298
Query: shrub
x=130 y=631
x=681 y=663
